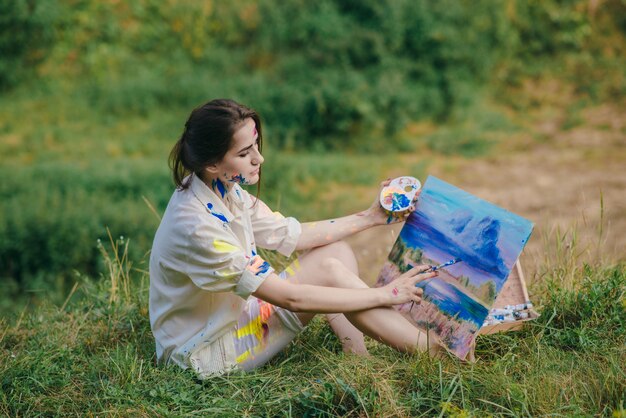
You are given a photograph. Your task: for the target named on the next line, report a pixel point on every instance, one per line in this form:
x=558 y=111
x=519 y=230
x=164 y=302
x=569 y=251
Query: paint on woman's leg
x=292 y=268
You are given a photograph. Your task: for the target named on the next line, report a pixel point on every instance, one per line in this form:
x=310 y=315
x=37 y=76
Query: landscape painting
x=450 y=223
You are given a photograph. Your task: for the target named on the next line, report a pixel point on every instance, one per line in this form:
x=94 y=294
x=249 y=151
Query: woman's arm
x=321 y=299
x=315 y=234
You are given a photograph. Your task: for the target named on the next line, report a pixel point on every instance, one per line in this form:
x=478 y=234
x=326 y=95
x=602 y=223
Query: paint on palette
x=218 y=215
x=450 y=224
x=396 y=200
x=397 y=197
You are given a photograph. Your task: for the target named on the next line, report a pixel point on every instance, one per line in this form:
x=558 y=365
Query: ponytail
x=177 y=164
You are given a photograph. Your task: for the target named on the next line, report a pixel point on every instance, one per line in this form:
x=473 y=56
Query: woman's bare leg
x=351 y=338
x=331 y=265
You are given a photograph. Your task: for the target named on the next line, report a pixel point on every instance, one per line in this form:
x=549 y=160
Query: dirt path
x=570 y=180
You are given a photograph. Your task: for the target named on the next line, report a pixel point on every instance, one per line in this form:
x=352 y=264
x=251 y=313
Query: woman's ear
x=212 y=169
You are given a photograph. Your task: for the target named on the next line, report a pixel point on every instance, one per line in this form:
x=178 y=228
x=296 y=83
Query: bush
x=52 y=216
x=319 y=72
x=26 y=33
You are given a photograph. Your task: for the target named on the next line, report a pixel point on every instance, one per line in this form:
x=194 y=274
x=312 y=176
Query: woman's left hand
x=378 y=214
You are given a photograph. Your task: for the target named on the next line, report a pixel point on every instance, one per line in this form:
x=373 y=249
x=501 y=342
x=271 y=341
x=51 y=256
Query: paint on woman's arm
x=258 y=266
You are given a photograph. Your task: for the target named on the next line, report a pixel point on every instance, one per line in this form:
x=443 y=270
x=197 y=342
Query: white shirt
x=200 y=275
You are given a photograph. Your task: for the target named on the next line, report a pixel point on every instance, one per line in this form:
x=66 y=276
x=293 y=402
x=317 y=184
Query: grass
x=94 y=355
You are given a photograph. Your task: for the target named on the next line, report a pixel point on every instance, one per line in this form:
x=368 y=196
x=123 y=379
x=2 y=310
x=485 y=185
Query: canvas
x=450 y=223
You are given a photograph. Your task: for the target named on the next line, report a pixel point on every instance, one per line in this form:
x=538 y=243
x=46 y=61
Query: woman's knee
x=337 y=274
x=342 y=251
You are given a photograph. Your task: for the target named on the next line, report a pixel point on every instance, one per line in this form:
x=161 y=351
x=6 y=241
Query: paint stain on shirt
x=218 y=215
x=224 y=247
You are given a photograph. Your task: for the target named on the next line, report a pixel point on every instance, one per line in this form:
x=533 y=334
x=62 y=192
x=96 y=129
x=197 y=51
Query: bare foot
x=351 y=346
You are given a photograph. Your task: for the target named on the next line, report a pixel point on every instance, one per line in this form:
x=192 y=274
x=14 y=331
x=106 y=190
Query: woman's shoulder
x=187 y=214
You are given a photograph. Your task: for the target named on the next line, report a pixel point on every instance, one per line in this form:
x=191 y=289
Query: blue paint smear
x=219 y=186
x=239 y=178
x=218 y=215
x=263 y=268
x=399 y=202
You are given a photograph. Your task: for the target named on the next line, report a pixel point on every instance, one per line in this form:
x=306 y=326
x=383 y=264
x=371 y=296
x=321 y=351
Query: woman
x=215 y=304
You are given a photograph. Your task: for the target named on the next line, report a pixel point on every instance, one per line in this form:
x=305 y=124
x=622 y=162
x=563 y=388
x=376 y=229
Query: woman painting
x=215 y=304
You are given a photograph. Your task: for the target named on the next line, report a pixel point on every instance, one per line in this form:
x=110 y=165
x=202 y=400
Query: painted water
x=453 y=302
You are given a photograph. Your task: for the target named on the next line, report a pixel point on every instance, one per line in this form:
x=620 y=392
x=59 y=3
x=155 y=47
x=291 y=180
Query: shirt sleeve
x=272 y=230
x=217 y=263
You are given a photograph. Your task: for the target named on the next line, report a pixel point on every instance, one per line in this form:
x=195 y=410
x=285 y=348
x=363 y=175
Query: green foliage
x=53 y=214
x=550 y=27
x=324 y=75
x=320 y=73
x=586 y=317
x=26 y=33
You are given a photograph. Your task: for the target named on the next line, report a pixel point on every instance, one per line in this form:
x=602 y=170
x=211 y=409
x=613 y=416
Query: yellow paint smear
x=293 y=267
x=224 y=247
x=243 y=357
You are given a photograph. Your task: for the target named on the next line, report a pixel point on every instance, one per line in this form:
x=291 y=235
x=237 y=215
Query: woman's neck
x=219 y=187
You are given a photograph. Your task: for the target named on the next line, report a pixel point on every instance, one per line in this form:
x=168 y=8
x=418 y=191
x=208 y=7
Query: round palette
x=399 y=194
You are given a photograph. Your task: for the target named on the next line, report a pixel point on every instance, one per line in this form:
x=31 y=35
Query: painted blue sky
x=449 y=223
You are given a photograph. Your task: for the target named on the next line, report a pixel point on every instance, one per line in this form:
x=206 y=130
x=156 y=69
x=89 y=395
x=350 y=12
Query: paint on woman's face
x=242 y=163
x=238 y=178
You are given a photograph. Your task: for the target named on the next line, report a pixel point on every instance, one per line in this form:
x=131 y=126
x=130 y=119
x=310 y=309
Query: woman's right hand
x=403 y=289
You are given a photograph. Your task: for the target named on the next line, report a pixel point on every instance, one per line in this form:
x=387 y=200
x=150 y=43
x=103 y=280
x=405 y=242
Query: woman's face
x=243 y=160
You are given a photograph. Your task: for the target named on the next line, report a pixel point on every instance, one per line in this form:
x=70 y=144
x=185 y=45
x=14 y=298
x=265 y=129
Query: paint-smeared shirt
x=203 y=265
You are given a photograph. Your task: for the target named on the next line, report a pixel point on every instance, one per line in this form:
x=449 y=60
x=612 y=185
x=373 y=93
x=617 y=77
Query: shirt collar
x=211 y=202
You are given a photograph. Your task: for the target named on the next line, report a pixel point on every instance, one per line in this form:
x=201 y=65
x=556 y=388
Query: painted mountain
x=450 y=223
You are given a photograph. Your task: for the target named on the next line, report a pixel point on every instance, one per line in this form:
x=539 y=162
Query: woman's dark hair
x=207 y=137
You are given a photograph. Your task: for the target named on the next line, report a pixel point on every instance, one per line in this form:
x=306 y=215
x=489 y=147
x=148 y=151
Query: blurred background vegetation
x=94 y=94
